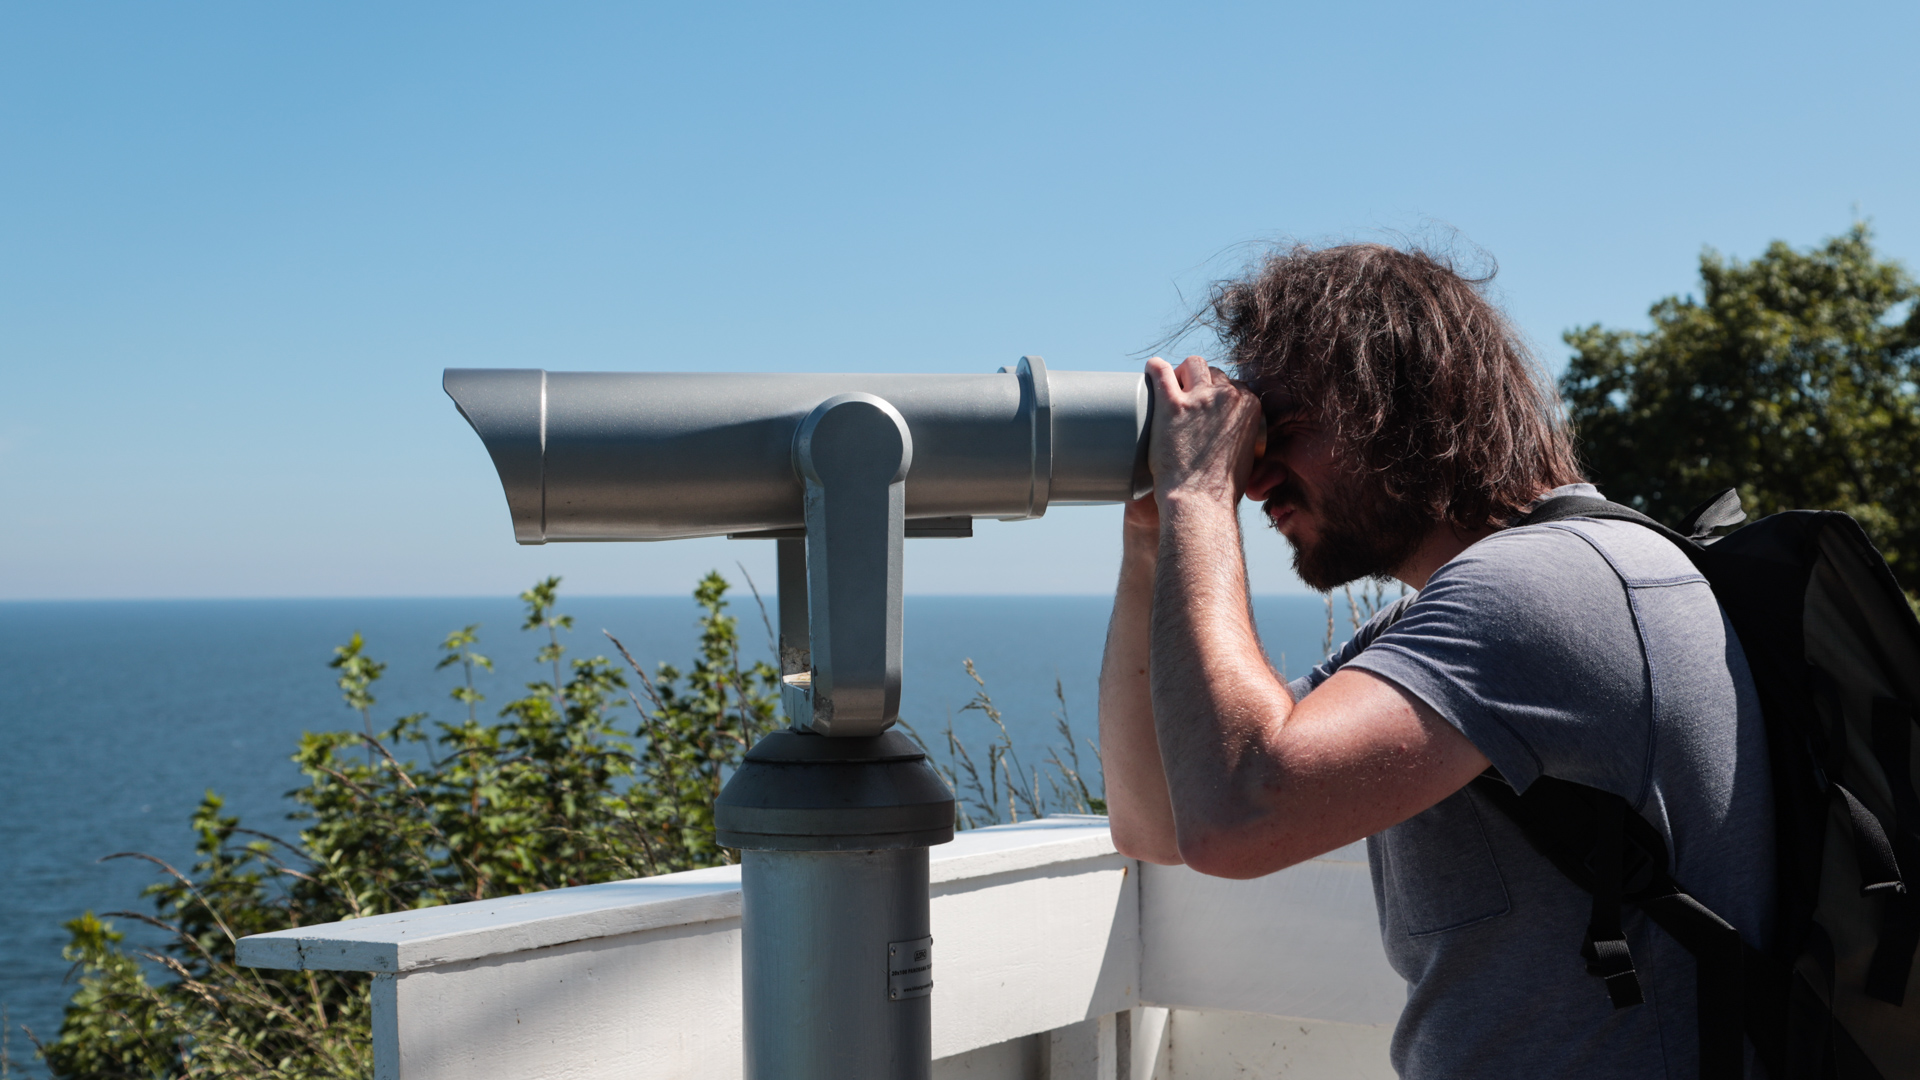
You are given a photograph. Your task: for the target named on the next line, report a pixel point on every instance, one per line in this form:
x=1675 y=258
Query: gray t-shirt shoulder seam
x=1632 y=584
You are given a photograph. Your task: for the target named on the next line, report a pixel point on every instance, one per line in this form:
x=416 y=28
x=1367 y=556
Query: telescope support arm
x=852 y=453
x=796 y=663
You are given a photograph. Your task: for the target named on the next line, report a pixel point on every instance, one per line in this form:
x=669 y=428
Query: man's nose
x=1269 y=472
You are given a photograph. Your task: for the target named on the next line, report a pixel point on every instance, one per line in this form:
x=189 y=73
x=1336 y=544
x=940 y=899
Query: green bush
x=556 y=793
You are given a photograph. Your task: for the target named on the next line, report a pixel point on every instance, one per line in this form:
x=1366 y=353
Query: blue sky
x=238 y=242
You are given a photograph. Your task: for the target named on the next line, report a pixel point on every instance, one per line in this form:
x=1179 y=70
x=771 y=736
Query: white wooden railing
x=1056 y=958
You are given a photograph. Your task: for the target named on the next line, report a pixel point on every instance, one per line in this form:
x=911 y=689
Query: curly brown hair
x=1422 y=379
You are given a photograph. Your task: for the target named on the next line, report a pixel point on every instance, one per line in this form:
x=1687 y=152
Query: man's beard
x=1362 y=532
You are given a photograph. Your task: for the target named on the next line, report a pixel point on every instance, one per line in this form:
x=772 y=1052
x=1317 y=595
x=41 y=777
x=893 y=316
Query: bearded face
x=1345 y=528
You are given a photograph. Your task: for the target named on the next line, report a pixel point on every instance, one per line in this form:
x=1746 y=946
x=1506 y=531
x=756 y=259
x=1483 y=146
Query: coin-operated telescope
x=835 y=814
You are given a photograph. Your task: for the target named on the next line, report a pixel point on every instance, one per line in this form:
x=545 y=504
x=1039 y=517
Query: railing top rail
x=454 y=933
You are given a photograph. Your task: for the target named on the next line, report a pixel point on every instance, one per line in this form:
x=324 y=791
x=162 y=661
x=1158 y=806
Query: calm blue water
x=117 y=716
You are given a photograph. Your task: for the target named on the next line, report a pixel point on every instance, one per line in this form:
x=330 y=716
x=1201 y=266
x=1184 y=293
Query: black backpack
x=1835 y=654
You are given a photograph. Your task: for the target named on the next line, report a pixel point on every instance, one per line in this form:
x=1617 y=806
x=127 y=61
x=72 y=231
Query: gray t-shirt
x=1594 y=652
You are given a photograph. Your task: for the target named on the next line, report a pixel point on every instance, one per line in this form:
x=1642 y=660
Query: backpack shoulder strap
x=1597 y=840
x=1584 y=832
x=1563 y=507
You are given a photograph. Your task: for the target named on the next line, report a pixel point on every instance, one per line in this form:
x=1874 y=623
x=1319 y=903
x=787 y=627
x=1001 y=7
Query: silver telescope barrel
x=661 y=456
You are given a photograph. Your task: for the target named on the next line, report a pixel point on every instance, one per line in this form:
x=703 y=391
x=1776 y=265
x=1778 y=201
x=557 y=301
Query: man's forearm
x=1216 y=701
x=1139 y=811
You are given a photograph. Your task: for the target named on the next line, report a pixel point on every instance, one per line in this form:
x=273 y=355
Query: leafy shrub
x=556 y=793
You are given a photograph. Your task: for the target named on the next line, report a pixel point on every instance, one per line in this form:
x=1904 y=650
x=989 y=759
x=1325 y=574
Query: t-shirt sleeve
x=1350 y=648
x=1526 y=643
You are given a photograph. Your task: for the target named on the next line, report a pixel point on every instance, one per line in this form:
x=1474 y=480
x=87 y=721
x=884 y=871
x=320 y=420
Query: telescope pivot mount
x=853 y=452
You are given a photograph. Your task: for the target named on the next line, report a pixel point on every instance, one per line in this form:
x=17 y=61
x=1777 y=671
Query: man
x=1393 y=425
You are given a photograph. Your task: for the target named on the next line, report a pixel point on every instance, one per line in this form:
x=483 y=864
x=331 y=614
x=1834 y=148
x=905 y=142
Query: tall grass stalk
x=1007 y=791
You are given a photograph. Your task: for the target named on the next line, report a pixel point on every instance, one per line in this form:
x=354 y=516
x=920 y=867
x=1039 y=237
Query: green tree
x=555 y=793
x=1791 y=378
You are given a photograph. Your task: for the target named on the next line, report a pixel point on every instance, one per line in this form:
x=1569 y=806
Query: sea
x=118 y=716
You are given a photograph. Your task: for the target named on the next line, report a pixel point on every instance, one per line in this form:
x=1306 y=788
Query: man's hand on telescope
x=1207 y=431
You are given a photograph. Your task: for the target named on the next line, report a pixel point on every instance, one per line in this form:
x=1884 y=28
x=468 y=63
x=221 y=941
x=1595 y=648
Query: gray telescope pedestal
x=837 y=962
x=834 y=817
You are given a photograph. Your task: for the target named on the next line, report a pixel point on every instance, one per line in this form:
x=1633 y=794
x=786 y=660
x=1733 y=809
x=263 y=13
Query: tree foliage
x=555 y=793
x=1791 y=378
